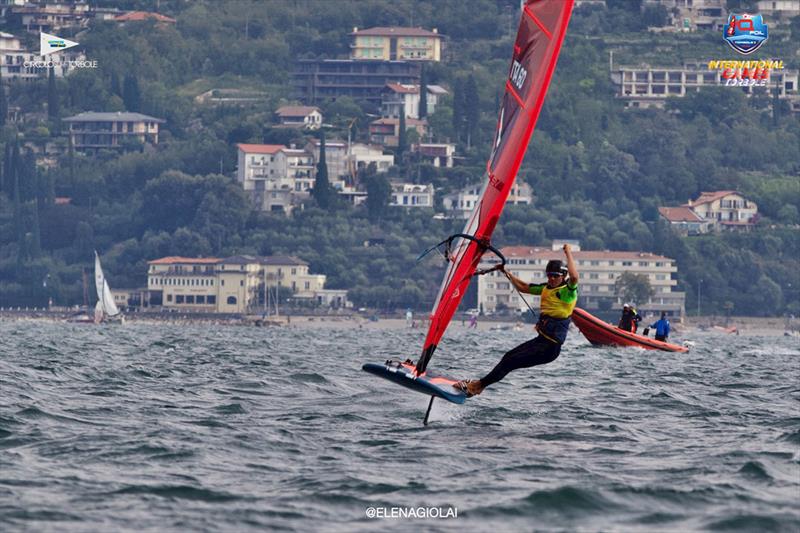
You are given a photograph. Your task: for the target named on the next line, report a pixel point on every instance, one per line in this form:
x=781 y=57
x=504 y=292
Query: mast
x=541 y=31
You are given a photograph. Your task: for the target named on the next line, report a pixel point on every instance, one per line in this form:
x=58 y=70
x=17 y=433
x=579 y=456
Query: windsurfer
x=557 y=300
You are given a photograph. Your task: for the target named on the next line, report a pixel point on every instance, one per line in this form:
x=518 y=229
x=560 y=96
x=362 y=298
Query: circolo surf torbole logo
x=745 y=33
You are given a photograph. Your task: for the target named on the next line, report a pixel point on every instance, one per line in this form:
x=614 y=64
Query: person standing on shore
x=557 y=300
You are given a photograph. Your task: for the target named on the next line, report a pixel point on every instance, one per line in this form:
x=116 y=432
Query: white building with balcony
x=276 y=178
x=599 y=271
x=647 y=86
x=400 y=96
x=412 y=195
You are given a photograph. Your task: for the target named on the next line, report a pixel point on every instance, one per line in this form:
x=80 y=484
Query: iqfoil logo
x=49 y=44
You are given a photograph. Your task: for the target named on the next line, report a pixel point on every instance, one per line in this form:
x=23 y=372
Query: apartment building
x=92 y=131
x=48 y=17
x=396 y=43
x=648 y=86
x=693 y=15
x=599 y=271
x=315 y=80
x=276 y=177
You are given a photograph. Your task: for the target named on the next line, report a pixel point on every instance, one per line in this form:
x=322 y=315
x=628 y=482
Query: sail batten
x=542 y=26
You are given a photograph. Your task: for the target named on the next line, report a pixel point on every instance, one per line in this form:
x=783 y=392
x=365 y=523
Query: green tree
x=379 y=193
x=633 y=288
x=472 y=104
x=401 y=137
x=131 y=95
x=3 y=103
x=323 y=193
x=53 y=106
x=423 y=94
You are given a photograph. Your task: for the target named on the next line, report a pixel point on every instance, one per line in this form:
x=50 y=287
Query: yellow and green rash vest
x=555 y=309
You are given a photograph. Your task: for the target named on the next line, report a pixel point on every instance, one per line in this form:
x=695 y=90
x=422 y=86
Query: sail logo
x=518 y=74
x=49 y=44
x=745 y=33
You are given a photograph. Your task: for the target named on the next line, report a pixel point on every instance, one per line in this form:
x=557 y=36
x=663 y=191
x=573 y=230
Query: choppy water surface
x=165 y=427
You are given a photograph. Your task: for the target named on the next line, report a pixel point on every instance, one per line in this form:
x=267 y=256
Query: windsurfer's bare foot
x=472 y=387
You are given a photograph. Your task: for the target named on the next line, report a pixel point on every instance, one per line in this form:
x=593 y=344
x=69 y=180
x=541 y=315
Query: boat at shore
x=601 y=333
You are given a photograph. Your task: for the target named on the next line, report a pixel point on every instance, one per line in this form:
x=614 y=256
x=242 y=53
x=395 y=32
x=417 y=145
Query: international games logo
x=744 y=32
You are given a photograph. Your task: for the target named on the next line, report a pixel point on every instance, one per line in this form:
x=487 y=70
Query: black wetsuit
x=538 y=351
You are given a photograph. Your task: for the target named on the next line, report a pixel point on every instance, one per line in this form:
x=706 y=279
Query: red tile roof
x=547 y=253
x=176 y=260
x=260 y=148
x=680 y=214
x=138 y=16
x=382 y=31
x=400 y=88
x=707 y=197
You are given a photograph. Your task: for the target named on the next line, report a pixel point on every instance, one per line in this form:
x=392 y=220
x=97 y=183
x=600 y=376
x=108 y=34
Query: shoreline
x=758 y=326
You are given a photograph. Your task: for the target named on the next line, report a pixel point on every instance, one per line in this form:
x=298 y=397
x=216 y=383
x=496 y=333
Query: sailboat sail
x=105 y=300
x=542 y=26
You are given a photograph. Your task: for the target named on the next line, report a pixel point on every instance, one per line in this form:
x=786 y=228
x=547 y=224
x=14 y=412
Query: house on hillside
x=412 y=195
x=683 y=220
x=437 y=154
x=397 y=97
x=300 y=116
x=92 y=131
x=726 y=209
x=386 y=131
x=718 y=210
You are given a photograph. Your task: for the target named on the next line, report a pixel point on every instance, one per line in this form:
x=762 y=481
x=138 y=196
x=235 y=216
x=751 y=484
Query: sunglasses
x=554 y=274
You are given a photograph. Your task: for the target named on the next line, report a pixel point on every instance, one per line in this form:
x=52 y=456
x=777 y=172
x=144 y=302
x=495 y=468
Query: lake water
x=209 y=428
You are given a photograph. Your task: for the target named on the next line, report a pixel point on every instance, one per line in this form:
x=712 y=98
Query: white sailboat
x=105 y=310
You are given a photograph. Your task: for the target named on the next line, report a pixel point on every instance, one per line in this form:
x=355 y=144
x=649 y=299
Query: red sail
x=542 y=26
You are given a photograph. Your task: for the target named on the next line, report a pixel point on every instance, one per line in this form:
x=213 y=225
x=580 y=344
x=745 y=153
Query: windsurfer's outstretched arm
x=518 y=283
x=571 y=268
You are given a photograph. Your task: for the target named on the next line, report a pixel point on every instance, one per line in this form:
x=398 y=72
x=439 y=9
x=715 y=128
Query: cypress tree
x=115 y=87
x=35 y=241
x=472 y=108
x=53 y=105
x=458 y=108
x=322 y=187
x=131 y=95
x=423 y=94
x=401 y=136
x=3 y=102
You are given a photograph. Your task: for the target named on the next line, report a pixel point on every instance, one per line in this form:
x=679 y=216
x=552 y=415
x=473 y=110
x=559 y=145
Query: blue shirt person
x=662 y=327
